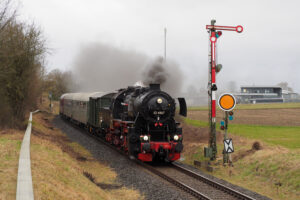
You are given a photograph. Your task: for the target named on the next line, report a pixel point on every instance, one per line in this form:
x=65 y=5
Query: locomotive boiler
x=138 y=120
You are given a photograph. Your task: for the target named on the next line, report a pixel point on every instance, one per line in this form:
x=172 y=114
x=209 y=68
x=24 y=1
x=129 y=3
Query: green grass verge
x=196 y=123
x=272 y=170
x=9 y=156
x=253 y=106
x=287 y=136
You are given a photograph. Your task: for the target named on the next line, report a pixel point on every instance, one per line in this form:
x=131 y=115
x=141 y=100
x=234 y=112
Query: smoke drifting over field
x=101 y=67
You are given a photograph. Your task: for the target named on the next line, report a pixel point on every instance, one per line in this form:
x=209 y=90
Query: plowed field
x=276 y=117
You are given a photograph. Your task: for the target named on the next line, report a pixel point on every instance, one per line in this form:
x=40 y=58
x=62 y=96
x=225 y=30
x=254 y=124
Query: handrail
x=24 y=183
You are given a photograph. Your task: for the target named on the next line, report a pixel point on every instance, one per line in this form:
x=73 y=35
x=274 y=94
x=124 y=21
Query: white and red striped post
x=212 y=82
x=213 y=40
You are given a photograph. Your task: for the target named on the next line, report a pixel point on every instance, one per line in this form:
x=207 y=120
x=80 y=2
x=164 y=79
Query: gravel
x=132 y=175
x=240 y=189
x=200 y=186
x=129 y=174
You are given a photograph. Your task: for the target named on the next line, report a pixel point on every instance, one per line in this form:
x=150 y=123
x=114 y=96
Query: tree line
x=58 y=82
x=22 y=72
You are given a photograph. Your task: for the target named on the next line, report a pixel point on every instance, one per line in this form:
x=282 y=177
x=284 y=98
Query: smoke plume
x=101 y=67
x=168 y=74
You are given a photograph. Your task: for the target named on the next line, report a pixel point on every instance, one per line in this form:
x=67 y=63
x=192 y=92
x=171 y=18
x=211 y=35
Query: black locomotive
x=139 y=120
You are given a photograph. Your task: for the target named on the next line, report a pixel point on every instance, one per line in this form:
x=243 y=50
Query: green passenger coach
x=84 y=108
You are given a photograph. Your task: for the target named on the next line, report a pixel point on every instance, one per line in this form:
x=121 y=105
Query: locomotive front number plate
x=158 y=112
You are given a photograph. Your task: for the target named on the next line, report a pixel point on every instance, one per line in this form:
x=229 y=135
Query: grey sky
x=266 y=53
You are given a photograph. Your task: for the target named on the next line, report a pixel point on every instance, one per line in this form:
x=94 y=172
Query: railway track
x=224 y=191
x=195 y=184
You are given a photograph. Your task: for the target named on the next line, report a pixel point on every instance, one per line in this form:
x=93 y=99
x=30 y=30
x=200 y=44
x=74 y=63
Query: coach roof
x=77 y=96
x=84 y=96
x=100 y=94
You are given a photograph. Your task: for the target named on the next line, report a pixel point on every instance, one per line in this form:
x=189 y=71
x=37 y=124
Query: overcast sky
x=266 y=53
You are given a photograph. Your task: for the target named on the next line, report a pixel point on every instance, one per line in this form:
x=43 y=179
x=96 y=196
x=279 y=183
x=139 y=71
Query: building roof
x=259 y=86
x=288 y=92
x=256 y=94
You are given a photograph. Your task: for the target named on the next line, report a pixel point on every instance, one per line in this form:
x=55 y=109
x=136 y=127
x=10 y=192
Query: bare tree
x=21 y=59
x=58 y=83
x=6 y=15
x=285 y=86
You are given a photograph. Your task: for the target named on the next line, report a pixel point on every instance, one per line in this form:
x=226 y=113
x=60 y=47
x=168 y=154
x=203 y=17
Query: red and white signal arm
x=239 y=29
x=227 y=102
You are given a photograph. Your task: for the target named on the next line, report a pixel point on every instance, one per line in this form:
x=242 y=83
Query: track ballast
x=210 y=190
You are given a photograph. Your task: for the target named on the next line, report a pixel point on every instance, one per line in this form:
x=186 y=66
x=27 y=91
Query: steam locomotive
x=138 y=120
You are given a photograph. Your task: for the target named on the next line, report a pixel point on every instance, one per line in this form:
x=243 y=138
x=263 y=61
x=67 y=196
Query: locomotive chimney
x=154 y=86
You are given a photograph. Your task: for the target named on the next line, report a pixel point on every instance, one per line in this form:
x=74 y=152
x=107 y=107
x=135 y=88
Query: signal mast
x=165 y=44
x=214 y=32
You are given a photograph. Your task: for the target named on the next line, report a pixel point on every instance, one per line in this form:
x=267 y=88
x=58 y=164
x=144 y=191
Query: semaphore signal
x=215 y=32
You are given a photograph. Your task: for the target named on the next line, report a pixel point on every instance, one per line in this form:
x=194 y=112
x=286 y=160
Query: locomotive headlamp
x=159 y=100
x=176 y=137
x=145 y=138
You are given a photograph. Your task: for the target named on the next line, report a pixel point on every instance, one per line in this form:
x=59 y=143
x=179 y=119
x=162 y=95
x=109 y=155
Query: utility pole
x=225 y=155
x=165 y=44
x=214 y=34
x=212 y=94
x=50 y=98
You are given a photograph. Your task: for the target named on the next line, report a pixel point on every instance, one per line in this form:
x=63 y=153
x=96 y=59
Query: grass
x=197 y=108
x=286 y=136
x=253 y=106
x=196 y=123
x=270 y=172
x=10 y=144
x=273 y=171
x=57 y=170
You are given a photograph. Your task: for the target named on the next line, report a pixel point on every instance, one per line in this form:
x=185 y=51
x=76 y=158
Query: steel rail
x=212 y=183
x=175 y=182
